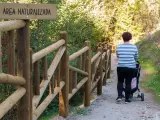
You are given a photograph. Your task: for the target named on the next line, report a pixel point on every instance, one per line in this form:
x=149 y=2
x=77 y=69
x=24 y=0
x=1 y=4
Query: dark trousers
x=125 y=74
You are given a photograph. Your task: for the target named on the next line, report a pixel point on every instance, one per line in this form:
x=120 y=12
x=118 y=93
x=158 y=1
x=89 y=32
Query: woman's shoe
x=119 y=99
x=127 y=101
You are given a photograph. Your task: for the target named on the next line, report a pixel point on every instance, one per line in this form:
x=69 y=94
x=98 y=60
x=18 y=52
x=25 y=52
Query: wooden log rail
x=39 y=110
x=11 y=101
x=79 y=85
x=55 y=85
x=60 y=77
x=78 y=53
x=95 y=57
x=22 y=28
x=95 y=68
x=10 y=79
x=44 y=83
x=78 y=70
x=45 y=51
x=11 y=25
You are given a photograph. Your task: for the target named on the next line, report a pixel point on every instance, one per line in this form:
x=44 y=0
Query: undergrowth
x=152 y=80
x=149 y=52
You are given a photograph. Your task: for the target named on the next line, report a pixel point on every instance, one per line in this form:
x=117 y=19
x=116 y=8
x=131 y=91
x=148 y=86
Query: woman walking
x=127 y=55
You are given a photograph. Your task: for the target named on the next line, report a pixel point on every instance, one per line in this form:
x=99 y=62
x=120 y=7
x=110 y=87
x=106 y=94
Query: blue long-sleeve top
x=127 y=55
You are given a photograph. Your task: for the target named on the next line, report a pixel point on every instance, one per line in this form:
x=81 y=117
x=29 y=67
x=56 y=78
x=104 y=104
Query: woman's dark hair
x=126 y=36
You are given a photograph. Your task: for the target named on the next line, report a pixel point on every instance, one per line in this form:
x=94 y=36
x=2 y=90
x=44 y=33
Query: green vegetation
x=81 y=111
x=149 y=51
x=93 y=20
x=152 y=80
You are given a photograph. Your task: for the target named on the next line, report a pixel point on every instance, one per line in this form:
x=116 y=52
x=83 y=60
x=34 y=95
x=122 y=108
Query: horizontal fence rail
x=11 y=25
x=78 y=53
x=45 y=51
x=79 y=85
x=32 y=74
x=95 y=57
x=47 y=101
x=10 y=79
x=11 y=101
x=78 y=70
x=50 y=71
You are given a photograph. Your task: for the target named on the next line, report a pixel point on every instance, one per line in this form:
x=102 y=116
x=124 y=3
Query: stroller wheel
x=138 y=96
x=142 y=96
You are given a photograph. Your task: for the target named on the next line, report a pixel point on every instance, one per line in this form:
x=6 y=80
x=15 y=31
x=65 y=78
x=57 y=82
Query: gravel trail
x=104 y=107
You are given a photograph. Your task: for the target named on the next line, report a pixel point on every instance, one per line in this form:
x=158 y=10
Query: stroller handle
x=138 y=62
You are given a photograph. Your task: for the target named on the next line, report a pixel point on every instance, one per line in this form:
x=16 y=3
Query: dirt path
x=106 y=108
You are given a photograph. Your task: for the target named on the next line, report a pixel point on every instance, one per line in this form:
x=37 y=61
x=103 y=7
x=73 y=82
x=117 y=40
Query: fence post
x=63 y=95
x=105 y=65
x=36 y=82
x=80 y=62
x=45 y=68
x=11 y=53
x=70 y=81
x=31 y=80
x=58 y=74
x=0 y=53
x=52 y=83
x=23 y=69
x=87 y=85
x=109 y=62
x=100 y=73
x=84 y=61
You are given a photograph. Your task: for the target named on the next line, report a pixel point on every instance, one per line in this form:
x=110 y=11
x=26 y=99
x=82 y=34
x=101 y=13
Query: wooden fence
x=59 y=76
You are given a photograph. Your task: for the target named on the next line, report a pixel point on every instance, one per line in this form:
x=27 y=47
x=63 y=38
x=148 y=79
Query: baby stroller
x=135 y=83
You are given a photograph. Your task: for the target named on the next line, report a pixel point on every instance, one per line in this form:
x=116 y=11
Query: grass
x=47 y=117
x=149 y=54
x=74 y=111
x=152 y=80
x=51 y=110
x=154 y=85
x=79 y=110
